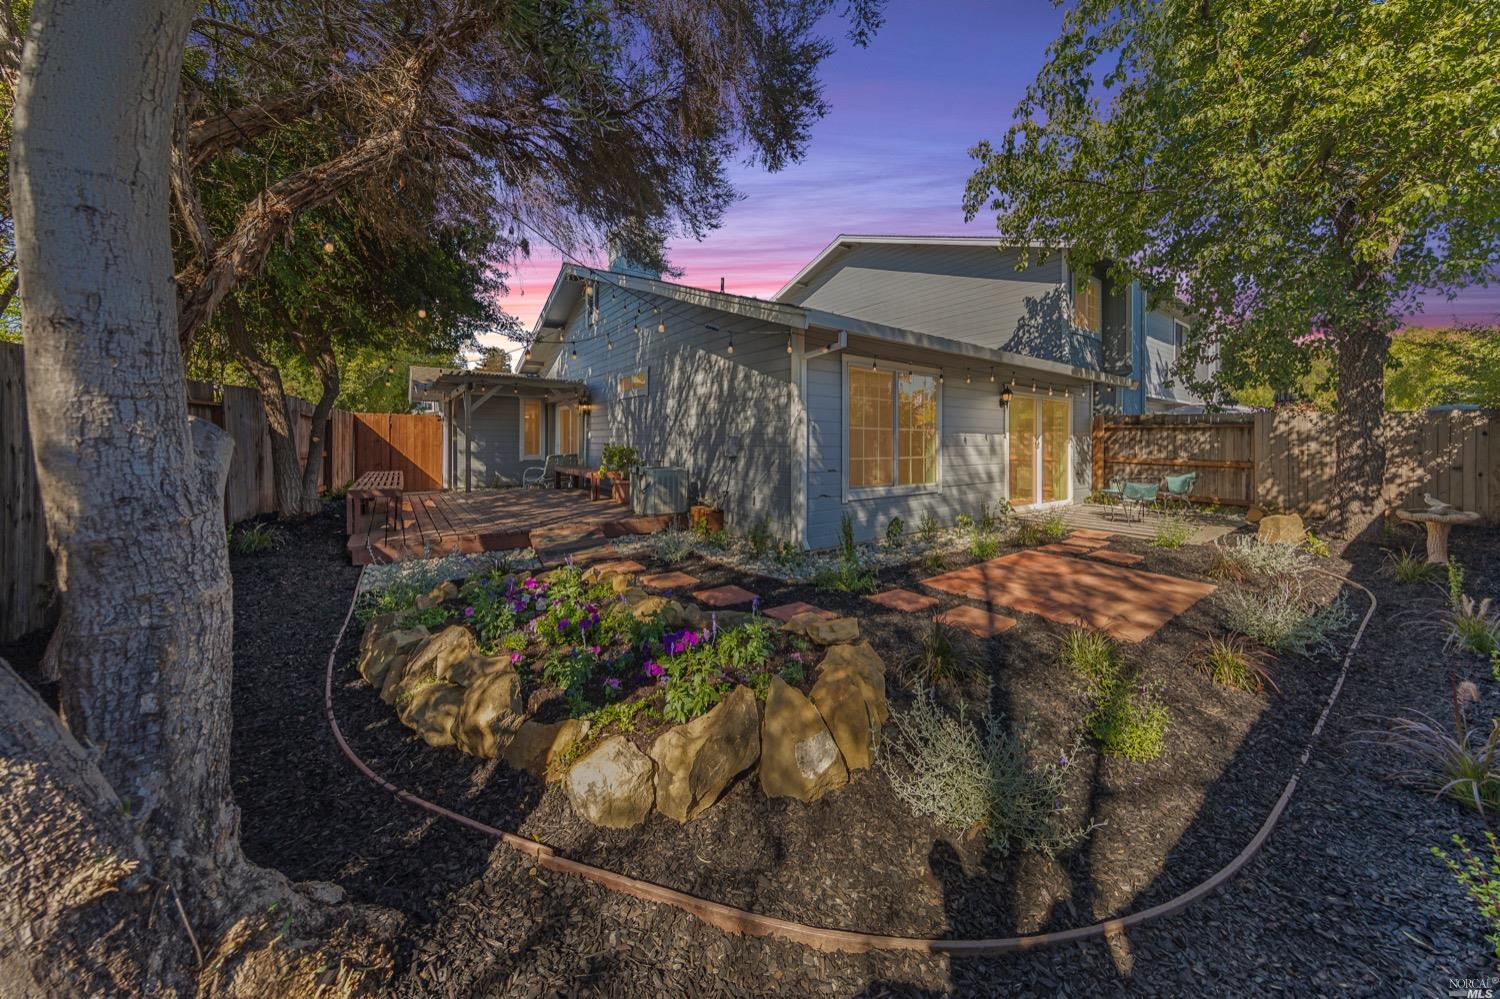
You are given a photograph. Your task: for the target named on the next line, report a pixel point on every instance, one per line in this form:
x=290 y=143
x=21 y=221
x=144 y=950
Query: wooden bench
x=580 y=474
x=384 y=485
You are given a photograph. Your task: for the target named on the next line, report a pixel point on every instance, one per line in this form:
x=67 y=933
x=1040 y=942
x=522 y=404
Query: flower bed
x=581 y=675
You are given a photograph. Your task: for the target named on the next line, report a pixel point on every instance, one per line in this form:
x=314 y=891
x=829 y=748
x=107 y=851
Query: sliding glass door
x=1040 y=450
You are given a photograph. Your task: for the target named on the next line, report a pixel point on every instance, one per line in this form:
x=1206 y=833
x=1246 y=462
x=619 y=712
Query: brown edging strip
x=732 y=919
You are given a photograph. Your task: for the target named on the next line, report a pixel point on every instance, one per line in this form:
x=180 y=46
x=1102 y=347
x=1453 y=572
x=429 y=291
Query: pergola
x=459 y=392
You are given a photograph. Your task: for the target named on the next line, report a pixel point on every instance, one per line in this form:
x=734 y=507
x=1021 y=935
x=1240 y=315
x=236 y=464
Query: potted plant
x=616 y=462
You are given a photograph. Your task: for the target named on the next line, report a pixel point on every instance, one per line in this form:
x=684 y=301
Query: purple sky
x=890 y=157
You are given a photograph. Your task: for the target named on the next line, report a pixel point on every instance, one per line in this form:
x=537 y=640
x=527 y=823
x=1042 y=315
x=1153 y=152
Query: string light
x=327 y=247
x=992 y=376
x=609 y=343
x=421 y=313
x=968 y=378
x=940 y=378
x=731 y=343
x=788 y=343
x=574 y=355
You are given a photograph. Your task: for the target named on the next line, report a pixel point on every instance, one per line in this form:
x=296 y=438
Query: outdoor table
x=387 y=485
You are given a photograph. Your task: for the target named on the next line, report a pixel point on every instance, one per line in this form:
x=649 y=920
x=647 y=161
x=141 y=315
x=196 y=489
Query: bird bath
x=1439 y=521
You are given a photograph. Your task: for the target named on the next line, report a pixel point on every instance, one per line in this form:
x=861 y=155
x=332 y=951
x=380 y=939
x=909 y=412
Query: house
x=892 y=376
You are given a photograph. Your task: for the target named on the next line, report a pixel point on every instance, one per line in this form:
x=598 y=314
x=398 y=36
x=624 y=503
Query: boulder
x=832 y=631
x=469 y=670
x=379 y=625
x=535 y=745
x=1281 y=529
x=392 y=648
x=434 y=658
x=612 y=786
x=676 y=615
x=798 y=755
x=493 y=711
x=862 y=658
x=622 y=583
x=695 y=762
x=432 y=709
x=853 y=707
x=1254 y=515
x=648 y=607
x=447 y=590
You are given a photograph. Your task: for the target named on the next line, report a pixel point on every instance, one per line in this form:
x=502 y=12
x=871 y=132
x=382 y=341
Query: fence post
x=1098 y=446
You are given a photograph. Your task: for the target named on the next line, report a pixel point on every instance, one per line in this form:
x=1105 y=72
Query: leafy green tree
x=1298 y=171
x=1437 y=367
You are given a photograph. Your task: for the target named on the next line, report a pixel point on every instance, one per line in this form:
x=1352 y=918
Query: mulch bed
x=1344 y=896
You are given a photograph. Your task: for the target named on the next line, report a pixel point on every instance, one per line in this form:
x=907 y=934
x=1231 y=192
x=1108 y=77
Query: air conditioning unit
x=659 y=490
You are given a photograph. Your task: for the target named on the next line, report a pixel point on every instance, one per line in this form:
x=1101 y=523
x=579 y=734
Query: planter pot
x=710 y=518
x=619 y=488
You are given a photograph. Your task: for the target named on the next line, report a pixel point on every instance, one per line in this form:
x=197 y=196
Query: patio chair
x=1136 y=496
x=1178 y=489
x=542 y=476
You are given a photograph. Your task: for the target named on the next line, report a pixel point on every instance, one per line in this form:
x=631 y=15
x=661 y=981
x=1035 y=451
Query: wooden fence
x=356 y=443
x=1285 y=460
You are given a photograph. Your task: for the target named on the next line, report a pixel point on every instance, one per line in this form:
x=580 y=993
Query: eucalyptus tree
x=119 y=838
x=1295 y=171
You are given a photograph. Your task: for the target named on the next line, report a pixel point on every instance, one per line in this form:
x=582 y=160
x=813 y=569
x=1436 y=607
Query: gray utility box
x=659 y=490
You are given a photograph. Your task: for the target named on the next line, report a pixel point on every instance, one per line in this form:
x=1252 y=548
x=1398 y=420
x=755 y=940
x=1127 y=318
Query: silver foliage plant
x=1281 y=619
x=1253 y=557
x=969 y=776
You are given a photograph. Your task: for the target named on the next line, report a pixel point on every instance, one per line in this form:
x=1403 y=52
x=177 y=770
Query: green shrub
x=1244 y=558
x=1455 y=583
x=964 y=522
x=1406 y=566
x=848 y=551
x=943 y=654
x=759 y=539
x=966 y=778
x=1480 y=879
x=1474 y=626
x=1027 y=533
x=984 y=546
x=895 y=528
x=1231 y=663
x=618 y=458
x=1456 y=763
x=669 y=546
x=400 y=599
x=1054 y=526
x=1172 y=532
x=1281 y=620
x=1316 y=546
x=1091 y=655
x=255 y=539
x=929 y=528
x=846 y=577
x=934 y=561
x=1130 y=721
x=789 y=556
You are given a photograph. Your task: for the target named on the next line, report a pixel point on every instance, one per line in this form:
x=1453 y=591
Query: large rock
x=390 y=649
x=823 y=630
x=798 y=755
x=536 y=744
x=612 y=785
x=1281 y=529
x=432 y=709
x=378 y=626
x=470 y=670
x=648 y=607
x=447 y=590
x=433 y=659
x=493 y=711
x=851 y=699
x=861 y=658
x=696 y=761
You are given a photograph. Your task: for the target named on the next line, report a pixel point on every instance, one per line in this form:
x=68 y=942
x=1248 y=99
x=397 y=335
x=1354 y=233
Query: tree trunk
x=327 y=366
x=1359 y=446
x=286 y=470
x=133 y=493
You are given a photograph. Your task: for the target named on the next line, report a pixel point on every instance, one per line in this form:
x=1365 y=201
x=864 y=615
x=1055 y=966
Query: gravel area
x=1344 y=898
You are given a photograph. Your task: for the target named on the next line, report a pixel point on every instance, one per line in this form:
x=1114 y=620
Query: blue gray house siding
x=730 y=421
x=496 y=427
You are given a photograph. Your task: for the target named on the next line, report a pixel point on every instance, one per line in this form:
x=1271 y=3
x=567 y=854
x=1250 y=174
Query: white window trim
x=1094 y=282
x=1179 y=334
x=1036 y=461
x=557 y=426
x=880 y=492
x=521 y=428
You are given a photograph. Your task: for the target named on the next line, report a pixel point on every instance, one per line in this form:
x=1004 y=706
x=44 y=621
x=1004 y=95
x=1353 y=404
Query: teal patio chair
x=1137 y=496
x=1179 y=489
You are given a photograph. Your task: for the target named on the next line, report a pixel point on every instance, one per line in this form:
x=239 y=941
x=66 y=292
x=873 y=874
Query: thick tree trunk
x=327 y=367
x=286 y=470
x=133 y=492
x=1359 y=445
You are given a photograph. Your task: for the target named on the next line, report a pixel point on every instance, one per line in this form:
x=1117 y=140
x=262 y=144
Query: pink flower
x=515 y=657
x=654 y=669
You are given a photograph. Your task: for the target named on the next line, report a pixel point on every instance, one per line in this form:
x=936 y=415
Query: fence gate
x=410 y=443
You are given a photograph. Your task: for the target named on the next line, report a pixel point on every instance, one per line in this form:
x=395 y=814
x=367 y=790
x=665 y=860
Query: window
x=567 y=429
x=1179 y=334
x=1088 y=304
x=893 y=429
x=632 y=384
x=531 y=428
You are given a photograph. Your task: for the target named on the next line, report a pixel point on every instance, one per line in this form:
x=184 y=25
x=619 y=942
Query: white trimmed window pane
x=918 y=430
x=870 y=428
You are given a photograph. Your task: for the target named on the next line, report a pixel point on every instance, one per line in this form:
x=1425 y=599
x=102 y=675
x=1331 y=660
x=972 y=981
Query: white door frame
x=1035 y=399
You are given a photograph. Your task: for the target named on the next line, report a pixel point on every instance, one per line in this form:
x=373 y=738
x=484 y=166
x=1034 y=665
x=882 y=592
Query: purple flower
x=595 y=649
x=562 y=624
x=515 y=657
x=468 y=612
x=531 y=583
x=755 y=605
x=653 y=669
x=796 y=656
x=613 y=682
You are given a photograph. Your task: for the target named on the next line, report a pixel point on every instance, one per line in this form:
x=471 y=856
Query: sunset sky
x=890 y=157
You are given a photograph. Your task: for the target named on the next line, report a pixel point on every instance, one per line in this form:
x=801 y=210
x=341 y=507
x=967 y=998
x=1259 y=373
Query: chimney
x=620 y=263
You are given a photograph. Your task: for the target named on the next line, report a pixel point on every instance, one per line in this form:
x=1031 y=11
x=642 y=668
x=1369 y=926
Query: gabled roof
x=825 y=257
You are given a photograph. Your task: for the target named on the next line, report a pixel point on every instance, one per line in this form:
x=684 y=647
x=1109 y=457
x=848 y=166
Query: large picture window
x=893 y=429
x=531 y=428
x=1088 y=303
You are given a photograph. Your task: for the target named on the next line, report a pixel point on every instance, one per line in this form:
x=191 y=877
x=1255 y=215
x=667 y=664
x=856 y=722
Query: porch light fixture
x=1005 y=396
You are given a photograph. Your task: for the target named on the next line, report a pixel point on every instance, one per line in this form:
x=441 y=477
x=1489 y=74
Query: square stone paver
x=620 y=565
x=1084 y=534
x=1118 y=558
x=978 y=622
x=1064 y=549
x=1128 y=604
x=724 y=596
x=668 y=581
x=786 y=612
x=1078 y=542
x=902 y=600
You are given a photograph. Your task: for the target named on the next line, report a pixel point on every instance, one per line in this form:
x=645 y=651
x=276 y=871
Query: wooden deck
x=1207 y=527
x=433 y=524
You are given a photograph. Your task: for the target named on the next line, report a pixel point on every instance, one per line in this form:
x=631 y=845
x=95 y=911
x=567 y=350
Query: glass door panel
x=1023 y=437
x=1056 y=414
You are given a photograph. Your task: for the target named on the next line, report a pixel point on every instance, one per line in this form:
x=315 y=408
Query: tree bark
x=327 y=367
x=1359 y=444
x=133 y=492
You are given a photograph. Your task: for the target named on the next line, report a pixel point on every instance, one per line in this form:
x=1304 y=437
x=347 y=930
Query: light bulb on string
x=731 y=343
x=327 y=247
x=421 y=313
x=968 y=378
x=788 y=343
x=574 y=355
x=992 y=376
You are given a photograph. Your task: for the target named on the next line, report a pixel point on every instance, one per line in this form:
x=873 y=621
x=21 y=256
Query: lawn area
x=1345 y=890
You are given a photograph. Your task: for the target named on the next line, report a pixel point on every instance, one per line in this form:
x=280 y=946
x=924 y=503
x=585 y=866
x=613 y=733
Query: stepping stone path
x=978 y=622
x=723 y=596
x=668 y=581
x=902 y=600
x=1084 y=534
x=1064 y=549
x=1118 y=558
x=786 y=612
